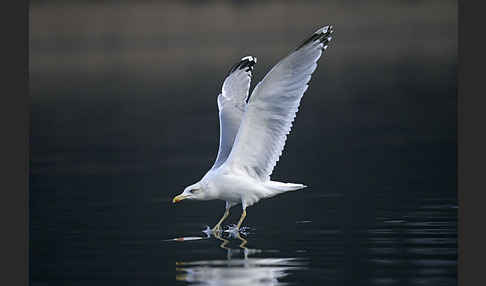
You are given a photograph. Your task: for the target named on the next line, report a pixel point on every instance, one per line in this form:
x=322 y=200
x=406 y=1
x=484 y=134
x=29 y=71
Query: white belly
x=235 y=188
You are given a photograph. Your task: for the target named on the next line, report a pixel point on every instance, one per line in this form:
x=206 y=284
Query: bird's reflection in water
x=238 y=268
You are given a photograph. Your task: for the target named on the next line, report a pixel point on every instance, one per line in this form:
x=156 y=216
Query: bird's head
x=192 y=192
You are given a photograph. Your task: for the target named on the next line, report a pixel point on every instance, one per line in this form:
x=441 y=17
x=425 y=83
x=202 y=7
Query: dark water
x=124 y=116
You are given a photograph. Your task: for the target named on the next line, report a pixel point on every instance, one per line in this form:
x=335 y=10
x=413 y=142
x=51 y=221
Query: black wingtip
x=323 y=35
x=246 y=63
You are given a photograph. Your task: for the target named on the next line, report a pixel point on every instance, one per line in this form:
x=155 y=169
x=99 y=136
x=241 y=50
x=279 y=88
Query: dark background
x=124 y=116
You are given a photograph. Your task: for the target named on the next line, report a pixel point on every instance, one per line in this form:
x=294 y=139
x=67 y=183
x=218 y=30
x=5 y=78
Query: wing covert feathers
x=231 y=105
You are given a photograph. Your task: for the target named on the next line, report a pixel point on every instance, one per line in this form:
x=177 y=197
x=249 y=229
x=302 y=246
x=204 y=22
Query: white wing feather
x=272 y=108
x=232 y=104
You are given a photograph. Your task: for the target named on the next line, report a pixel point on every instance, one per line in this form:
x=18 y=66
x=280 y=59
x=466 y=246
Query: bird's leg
x=217 y=227
x=243 y=215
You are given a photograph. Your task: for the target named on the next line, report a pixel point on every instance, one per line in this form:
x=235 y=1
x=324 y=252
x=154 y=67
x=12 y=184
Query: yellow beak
x=179 y=198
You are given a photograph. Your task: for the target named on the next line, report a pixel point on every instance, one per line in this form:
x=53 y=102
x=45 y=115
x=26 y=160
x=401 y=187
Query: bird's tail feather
x=279 y=187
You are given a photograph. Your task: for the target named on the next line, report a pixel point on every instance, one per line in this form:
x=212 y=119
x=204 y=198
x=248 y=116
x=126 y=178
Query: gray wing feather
x=272 y=108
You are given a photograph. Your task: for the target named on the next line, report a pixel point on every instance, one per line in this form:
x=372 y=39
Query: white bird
x=253 y=131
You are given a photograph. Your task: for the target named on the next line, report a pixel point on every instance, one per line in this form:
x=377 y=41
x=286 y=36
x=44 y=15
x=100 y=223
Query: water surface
x=124 y=116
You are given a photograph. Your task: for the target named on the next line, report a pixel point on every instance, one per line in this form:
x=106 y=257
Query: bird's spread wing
x=232 y=104
x=272 y=107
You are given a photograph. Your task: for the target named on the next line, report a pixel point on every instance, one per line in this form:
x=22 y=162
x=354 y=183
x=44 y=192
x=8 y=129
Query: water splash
x=233 y=230
x=187 y=238
x=208 y=231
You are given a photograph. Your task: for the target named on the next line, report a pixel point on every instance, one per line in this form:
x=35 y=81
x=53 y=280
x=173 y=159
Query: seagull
x=253 y=129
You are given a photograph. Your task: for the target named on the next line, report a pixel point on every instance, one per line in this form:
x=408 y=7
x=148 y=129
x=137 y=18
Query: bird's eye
x=193 y=191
